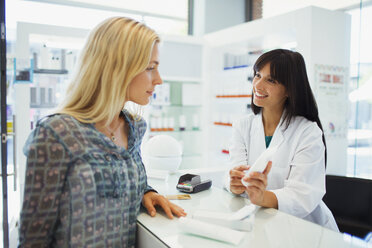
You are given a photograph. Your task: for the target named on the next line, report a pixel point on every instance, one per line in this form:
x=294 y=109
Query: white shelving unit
x=46 y=77
x=303 y=30
x=181 y=69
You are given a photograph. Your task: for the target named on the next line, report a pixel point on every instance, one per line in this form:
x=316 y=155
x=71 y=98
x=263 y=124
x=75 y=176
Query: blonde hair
x=116 y=51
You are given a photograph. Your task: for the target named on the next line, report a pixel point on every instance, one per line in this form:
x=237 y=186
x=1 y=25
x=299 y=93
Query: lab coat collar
x=258 y=135
x=278 y=136
x=258 y=131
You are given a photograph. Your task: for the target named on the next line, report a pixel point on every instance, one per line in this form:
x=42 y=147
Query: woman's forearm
x=270 y=200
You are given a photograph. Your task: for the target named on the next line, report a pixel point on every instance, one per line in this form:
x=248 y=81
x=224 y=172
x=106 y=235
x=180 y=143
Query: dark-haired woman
x=285 y=116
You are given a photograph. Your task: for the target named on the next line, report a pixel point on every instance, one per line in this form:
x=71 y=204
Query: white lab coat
x=297 y=176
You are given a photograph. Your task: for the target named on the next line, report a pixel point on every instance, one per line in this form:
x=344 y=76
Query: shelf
x=176 y=131
x=178 y=106
x=223 y=124
x=50 y=71
x=22 y=82
x=235 y=67
x=182 y=79
x=43 y=105
x=233 y=96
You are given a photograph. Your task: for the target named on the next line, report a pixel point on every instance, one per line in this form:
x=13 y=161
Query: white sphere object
x=163 y=146
x=162 y=152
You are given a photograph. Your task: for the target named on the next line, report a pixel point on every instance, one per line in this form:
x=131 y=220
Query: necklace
x=112 y=132
x=112 y=136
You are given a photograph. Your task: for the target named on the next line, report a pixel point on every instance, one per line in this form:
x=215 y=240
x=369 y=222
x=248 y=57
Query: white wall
x=213 y=15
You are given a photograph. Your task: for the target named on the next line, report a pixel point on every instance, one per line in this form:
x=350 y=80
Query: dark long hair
x=288 y=68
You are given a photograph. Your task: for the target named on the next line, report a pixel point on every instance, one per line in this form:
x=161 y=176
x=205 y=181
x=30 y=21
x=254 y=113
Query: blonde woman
x=85 y=180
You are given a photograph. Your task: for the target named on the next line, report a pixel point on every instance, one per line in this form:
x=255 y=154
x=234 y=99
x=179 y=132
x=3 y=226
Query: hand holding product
x=261 y=162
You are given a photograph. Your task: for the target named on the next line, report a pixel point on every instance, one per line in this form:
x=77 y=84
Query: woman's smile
x=260 y=96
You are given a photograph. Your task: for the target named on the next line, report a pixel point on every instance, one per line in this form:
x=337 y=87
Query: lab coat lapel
x=258 y=137
x=278 y=136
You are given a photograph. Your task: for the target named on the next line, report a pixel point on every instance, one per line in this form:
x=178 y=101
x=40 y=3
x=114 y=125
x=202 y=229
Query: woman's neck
x=270 y=120
x=114 y=123
x=117 y=131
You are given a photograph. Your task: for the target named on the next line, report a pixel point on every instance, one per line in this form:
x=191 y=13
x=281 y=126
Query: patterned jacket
x=81 y=189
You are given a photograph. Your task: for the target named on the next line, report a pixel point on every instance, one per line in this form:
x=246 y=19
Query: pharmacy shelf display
x=176 y=110
x=177 y=106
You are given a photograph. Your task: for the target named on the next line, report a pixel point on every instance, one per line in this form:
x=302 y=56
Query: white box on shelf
x=161 y=95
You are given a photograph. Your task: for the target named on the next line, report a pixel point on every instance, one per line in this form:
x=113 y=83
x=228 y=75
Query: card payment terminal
x=190 y=183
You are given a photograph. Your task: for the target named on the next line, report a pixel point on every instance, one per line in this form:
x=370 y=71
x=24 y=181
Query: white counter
x=271 y=228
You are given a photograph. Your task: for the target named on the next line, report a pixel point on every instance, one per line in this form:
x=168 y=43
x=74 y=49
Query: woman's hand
x=236 y=175
x=257 y=183
x=152 y=199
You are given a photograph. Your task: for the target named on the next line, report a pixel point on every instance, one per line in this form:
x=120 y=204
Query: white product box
x=161 y=95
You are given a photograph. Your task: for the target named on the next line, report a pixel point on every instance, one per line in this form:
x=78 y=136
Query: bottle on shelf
x=161 y=124
x=225 y=147
x=171 y=124
x=223 y=119
x=234 y=83
x=153 y=124
x=195 y=122
x=182 y=122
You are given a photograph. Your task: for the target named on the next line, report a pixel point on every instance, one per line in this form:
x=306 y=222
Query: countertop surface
x=271 y=227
